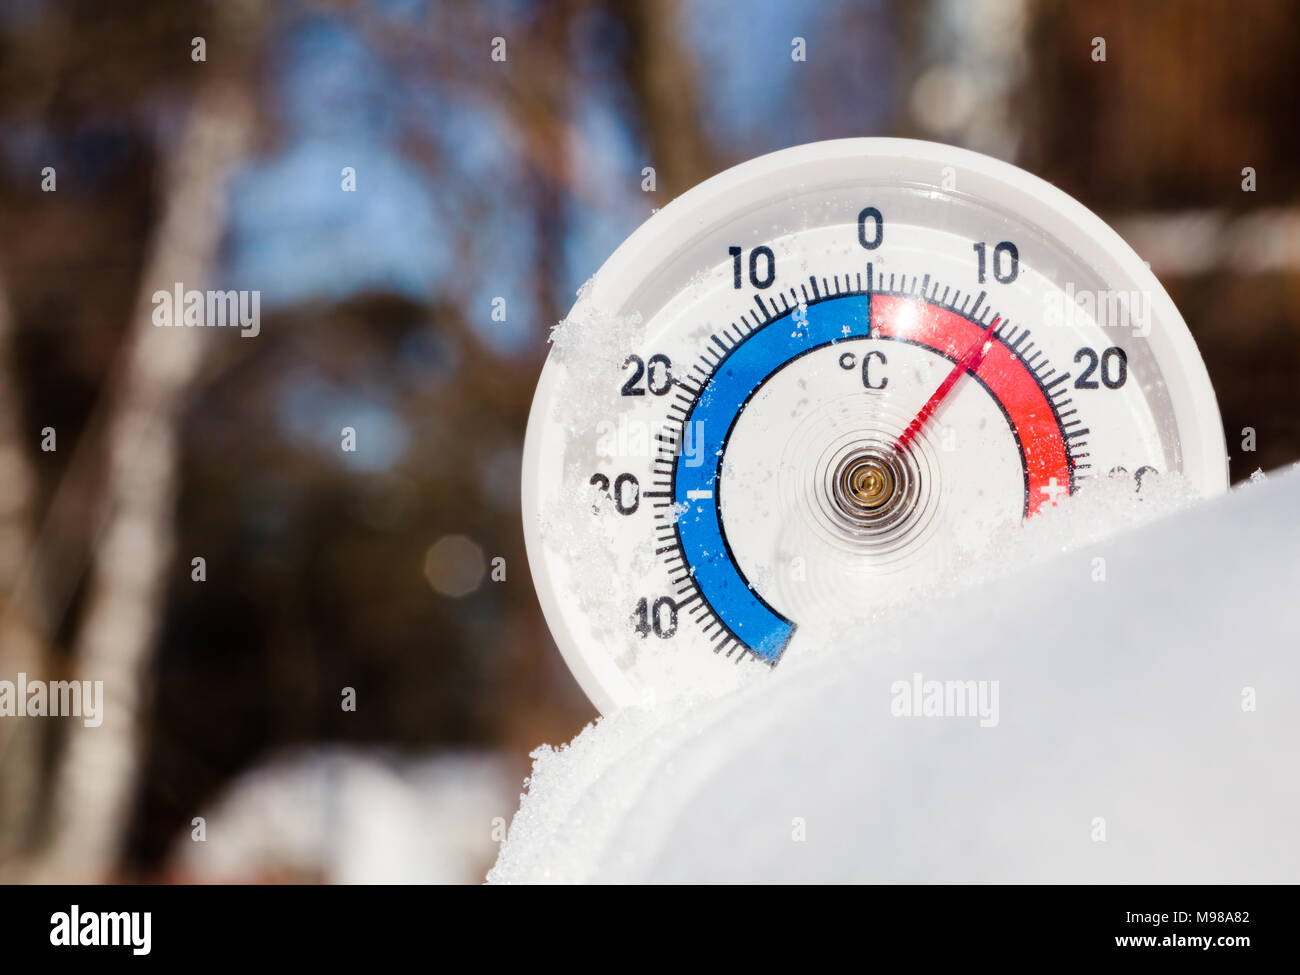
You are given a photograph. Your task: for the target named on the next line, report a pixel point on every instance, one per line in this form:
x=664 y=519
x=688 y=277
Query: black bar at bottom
x=210 y=925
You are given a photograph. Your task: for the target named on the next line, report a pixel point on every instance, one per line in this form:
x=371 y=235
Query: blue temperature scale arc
x=696 y=494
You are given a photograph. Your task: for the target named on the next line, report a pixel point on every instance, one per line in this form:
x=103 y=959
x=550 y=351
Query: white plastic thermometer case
x=837 y=165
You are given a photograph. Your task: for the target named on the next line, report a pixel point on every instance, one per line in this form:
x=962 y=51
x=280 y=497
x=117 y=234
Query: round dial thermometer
x=809 y=384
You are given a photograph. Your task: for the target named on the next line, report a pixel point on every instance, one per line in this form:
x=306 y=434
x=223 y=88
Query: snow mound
x=1120 y=709
x=349 y=815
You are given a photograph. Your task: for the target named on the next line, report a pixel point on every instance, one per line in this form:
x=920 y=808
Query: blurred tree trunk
x=97 y=773
x=541 y=111
x=662 y=77
x=20 y=649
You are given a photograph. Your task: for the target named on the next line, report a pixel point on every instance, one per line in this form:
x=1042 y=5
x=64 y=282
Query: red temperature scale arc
x=993 y=353
x=978 y=350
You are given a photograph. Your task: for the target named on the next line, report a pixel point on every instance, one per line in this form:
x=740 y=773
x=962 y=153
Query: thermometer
x=809 y=384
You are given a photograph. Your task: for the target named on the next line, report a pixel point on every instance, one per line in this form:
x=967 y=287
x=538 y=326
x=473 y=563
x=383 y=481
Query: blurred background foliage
x=476 y=179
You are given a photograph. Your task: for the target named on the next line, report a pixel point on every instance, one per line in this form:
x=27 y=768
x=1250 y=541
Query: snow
x=587 y=348
x=352 y=816
x=1145 y=726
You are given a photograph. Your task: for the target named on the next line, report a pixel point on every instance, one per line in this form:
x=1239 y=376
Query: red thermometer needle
x=967 y=363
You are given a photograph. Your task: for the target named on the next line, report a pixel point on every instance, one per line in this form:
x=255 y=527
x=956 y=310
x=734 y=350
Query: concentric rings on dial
x=854 y=487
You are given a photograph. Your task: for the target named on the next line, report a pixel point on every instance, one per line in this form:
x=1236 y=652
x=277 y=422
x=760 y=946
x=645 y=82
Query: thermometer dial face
x=808 y=385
